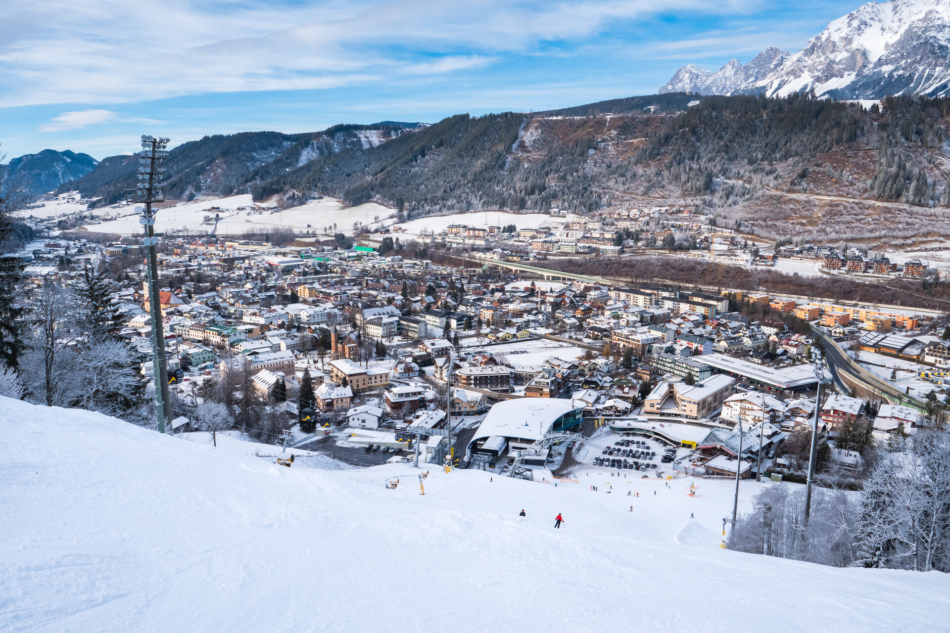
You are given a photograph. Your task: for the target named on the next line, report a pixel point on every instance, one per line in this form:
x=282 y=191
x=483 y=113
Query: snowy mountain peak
x=732 y=76
x=880 y=49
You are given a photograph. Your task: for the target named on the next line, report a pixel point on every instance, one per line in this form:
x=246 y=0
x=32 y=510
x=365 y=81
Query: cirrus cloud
x=77 y=120
x=113 y=51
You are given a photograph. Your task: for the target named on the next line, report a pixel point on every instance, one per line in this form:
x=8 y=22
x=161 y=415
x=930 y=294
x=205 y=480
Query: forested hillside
x=219 y=164
x=792 y=167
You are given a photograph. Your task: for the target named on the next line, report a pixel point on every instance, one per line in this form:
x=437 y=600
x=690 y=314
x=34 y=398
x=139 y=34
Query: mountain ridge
x=46 y=170
x=879 y=49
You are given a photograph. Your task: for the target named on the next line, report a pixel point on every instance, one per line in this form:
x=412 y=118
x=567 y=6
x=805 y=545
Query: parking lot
x=348 y=455
x=641 y=456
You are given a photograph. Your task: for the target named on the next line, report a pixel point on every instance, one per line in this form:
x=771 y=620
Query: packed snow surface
x=109 y=527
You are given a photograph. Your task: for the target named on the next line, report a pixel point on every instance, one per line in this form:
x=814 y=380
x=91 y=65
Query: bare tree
x=52 y=370
x=905 y=519
x=213 y=418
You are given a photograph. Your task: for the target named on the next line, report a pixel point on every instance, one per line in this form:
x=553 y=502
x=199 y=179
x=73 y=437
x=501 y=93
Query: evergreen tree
x=455 y=340
x=11 y=345
x=644 y=389
x=690 y=379
x=280 y=391
x=99 y=303
x=380 y=350
x=306 y=403
x=405 y=290
x=446 y=329
x=627 y=358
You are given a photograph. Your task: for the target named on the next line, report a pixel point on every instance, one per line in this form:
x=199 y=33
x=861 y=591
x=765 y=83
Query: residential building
x=358 y=378
x=547 y=384
x=466 y=402
x=678 y=401
x=785 y=306
x=332 y=397
x=382 y=327
x=265 y=381
x=403 y=401
x=413 y=328
x=364 y=417
x=839 y=409
x=490 y=377
x=752 y=407
x=274 y=361
x=807 y=312
x=681 y=366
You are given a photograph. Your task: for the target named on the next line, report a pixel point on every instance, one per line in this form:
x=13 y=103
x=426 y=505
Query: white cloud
x=115 y=51
x=77 y=120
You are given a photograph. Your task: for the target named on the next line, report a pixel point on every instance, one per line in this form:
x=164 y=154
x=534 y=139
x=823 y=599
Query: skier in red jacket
x=558 y=520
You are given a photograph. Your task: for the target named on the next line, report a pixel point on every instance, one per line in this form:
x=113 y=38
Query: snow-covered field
x=109 y=527
x=318 y=214
x=481 y=219
x=63 y=204
x=805 y=268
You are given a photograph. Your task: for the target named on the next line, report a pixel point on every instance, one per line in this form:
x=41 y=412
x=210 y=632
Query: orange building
x=832 y=319
x=782 y=305
x=807 y=313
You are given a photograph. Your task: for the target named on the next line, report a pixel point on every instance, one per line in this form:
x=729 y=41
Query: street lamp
x=149 y=190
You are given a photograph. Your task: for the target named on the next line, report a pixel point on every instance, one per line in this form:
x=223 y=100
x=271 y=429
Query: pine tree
x=445 y=329
x=306 y=402
x=455 y=340
x=627 y=358
x=102 y=309
x=280 y=391
x=690 y=379
x=405 y=290
x=11 y=345
x=380 y=350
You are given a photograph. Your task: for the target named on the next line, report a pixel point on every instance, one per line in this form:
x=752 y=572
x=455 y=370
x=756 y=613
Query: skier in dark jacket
x=558 y=520
x=522 y=513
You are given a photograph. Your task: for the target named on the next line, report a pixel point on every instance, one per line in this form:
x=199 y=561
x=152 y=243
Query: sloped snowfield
x=108 y=527
x=314 y=216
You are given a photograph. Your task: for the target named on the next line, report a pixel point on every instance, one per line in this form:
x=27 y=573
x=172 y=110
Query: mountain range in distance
x=46 y=170
x=880 y=49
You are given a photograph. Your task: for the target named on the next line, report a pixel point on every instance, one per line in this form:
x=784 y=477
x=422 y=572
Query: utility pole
x=735 y=502
x=819 y=374
x=448 y=406
x=758 y=466
x=149 y=190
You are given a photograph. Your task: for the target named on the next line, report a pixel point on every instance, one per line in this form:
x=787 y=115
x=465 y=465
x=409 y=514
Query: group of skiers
x=557 y=520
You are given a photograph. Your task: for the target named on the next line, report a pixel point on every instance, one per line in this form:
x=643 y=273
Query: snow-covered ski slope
x=108 y=527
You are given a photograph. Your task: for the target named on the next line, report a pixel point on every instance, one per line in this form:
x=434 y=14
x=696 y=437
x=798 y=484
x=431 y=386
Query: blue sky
x=93 y=75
